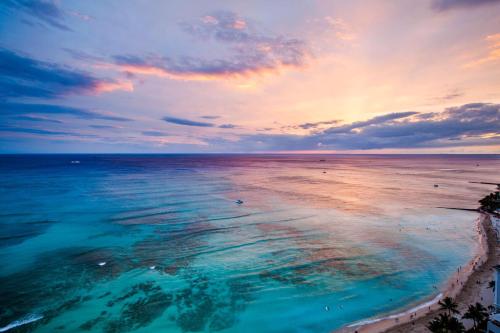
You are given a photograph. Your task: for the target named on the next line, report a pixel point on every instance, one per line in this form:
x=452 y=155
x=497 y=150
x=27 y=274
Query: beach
x=467 y=286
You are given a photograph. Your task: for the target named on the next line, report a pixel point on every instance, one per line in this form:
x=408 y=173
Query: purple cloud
x=186 y=122
x=25 y=108
x=39 y=131
x=442 y=5
x=38 y=119
x=227 y=126
x=22 y=76
x=250 y=51
x=154 y=133
x=466 y=125
x=44 y=10
x=317 y=124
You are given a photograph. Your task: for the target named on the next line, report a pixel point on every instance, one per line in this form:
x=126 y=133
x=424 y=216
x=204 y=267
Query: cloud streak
x=154 y=133
x=187 y=122
x=22 y=76
x=227 y=126
x=442 y=5
x=307 y=126
x=43 y=10
x=37 y=131
x=25 y=108
x=38 y=119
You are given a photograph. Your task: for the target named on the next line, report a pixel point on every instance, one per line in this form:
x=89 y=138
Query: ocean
x=230 y=243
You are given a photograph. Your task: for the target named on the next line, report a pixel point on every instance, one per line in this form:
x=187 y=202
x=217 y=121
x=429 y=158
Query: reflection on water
x=158 y=243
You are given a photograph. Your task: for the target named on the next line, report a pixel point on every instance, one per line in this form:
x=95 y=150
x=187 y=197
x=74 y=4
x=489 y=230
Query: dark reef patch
x=16 y=233
x=170 y=250
x=145 y=287
x=205 y=305
x=53 y=284
x=89 y=325
x=140 y=313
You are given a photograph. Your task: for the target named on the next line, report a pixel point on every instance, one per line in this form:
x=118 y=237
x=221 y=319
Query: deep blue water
x=157 y=243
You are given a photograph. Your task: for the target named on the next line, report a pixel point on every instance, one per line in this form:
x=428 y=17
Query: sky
x=156 y=76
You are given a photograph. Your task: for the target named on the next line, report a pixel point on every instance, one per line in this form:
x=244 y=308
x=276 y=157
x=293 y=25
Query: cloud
x=22 y=76
x=317 y=124
x=186 y=122
x=349 y=128
x=470 y=124
x=210 y=117
x=227 y=126
x=38 y=119
x=342 y=30
x=250 y=52
x=450 y=96
x=442 y=5
x=492 y=54
x=103 y=126
x=154 y=133
x=38 y=131
x=24 y=108
x=44 y=10
x=81 y=55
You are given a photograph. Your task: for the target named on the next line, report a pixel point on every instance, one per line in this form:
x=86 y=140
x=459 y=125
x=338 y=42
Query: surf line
x=23 y=321
x=398 y=315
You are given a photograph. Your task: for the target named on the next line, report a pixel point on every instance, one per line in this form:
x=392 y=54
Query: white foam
x=496 y=224
x=398 y=315
x=23 y=321
x=102 y=263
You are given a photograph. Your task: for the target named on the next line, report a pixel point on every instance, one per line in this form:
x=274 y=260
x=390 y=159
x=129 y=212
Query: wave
x=23 y=321
x=398 y=315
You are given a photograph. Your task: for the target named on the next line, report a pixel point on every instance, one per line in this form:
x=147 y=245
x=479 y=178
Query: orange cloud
x=342 y=30
x=104 y=86
x=493 y=54
x=194 y=75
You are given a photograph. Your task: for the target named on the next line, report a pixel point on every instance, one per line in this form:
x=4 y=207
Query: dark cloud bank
x=22 y=76
x=467 y=125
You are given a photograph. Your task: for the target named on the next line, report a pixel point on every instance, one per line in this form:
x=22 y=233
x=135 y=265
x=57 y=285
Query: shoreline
x=416 y=317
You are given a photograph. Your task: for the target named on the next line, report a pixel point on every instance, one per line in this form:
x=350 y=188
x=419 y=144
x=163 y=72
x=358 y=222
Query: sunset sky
x=359 y=76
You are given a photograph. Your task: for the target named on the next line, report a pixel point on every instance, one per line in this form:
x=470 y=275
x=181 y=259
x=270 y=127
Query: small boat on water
x=239 y=202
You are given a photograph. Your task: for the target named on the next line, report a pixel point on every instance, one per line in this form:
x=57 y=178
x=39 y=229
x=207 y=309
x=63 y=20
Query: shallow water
x=131 y=243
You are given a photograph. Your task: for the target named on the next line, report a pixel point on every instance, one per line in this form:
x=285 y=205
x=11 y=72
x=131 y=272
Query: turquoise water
x=131 y=243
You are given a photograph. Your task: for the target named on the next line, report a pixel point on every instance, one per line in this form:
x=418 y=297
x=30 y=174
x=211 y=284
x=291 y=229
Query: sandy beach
x=467 y=286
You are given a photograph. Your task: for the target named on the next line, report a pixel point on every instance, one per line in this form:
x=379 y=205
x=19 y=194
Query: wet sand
x=467 y=286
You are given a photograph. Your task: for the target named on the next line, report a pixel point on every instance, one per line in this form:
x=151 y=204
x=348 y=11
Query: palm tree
x=455 y=326
x=490 y=202
x=491 y=285
x=439 y=324
x=436 y=325
x=445 y=324
x=449 y=305
x=478 y=314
